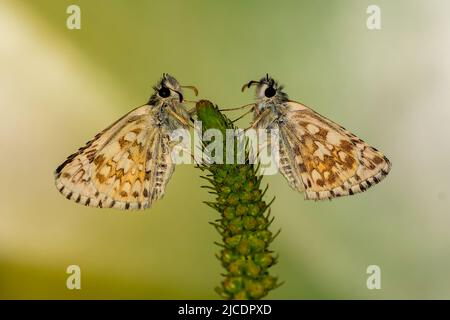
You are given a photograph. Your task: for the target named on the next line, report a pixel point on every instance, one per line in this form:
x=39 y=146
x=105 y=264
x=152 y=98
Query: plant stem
x=244 y=219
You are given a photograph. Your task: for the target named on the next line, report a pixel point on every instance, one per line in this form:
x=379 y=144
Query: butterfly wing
x=126 y=166
x=324 y=159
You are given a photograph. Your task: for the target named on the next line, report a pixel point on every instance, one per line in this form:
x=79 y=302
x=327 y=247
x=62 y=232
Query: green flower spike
x=244 y=221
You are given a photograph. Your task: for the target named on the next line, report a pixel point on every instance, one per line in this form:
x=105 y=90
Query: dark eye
x=164 y=92
x=270 y=92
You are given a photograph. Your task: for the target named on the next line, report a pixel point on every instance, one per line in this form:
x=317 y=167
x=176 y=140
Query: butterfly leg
x=240 y=117
x=258 y=119
x=180 y=119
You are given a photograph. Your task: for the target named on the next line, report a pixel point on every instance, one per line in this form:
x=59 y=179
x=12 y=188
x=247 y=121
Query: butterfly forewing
x=126 y=166
x=330 y=160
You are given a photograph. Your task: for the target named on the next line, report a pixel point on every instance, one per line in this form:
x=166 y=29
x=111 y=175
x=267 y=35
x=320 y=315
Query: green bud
x=256 y=194
x=228 y=256
x=249 y=222
x=249 y=186
x=235 y=225
x=243 y=247
x=264 y=235
x=263 y=259
x=233 y=284
x=256 y=244
x=233 y=199
x=269 y=282
x=229 y=213
x=252 y=269
x=253 y=210
x=236 y=268
x=222 y=200
x=233 y=241
x=241 y=209
x=261 y=222
x=225 y=189
x=241 y=295
x=246 y=196
x=256 y=290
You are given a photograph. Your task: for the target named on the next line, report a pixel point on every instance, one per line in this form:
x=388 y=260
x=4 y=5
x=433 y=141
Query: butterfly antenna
x=193 y=88
x=249 y=84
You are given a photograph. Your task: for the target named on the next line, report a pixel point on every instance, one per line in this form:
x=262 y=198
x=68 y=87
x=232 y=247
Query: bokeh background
x=59 y=87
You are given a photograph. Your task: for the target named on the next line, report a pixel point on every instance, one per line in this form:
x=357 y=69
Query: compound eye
x=270 y=92
x=164 y=92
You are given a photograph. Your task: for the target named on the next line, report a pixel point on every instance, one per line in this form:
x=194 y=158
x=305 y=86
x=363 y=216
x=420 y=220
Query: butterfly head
x=169 y=89
x=267 y=90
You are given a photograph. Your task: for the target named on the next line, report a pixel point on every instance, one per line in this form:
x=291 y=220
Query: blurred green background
x=59 y=87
